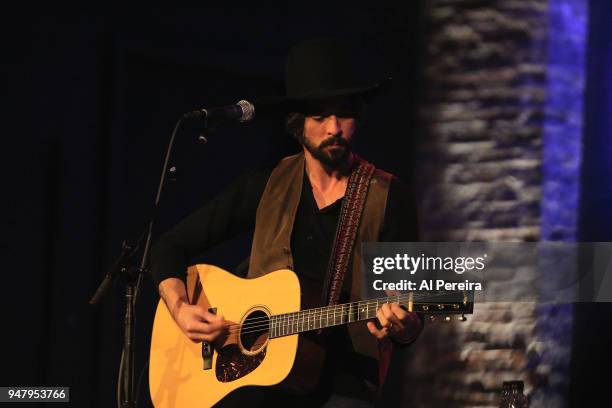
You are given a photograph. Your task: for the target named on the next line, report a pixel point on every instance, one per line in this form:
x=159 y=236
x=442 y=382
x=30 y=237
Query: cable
x=144 y=367
x=119 y=378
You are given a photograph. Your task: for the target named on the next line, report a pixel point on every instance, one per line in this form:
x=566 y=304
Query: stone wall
x=485 y=119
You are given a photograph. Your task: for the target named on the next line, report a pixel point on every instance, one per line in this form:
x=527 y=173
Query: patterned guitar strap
x=346 y=231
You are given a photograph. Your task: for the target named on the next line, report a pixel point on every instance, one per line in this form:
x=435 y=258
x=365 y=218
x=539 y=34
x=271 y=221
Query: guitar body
x=177 y=376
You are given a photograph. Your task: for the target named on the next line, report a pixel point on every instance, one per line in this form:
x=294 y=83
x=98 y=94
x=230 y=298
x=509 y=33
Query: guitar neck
x=322 y=317
x=328 y=316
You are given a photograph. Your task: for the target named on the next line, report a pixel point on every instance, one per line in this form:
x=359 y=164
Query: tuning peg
x=462 y=318
x=447 y=319
x=432 y=318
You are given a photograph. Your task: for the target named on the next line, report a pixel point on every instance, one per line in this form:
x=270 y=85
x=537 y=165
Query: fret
x=296 y=320
x=321 y=317
x=277 y=328
x=313 y=325
x=286 y=325
x=314 y=316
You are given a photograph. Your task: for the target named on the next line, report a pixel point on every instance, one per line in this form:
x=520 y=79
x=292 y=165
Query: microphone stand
x=133 y=277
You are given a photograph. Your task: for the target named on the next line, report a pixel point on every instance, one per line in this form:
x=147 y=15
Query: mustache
x=334 y=140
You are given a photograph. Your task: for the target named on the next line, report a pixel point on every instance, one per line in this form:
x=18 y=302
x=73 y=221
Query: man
x=296 y=209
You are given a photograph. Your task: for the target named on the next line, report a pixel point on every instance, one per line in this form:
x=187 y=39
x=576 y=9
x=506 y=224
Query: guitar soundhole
x=254 y=332
x=235 y=361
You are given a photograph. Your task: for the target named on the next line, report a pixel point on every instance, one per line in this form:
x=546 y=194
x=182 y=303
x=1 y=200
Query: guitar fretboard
x=328 y=316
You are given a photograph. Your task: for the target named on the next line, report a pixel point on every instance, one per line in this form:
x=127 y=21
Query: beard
x=333 y=157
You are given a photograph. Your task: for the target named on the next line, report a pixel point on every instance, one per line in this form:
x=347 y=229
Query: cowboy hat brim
x=367 y=91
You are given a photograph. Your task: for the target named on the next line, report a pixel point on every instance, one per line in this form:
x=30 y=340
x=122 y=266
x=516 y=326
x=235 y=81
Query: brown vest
x=276 y=212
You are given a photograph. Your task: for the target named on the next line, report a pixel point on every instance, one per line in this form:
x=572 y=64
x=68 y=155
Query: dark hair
x=295 y=125
x=295 y=120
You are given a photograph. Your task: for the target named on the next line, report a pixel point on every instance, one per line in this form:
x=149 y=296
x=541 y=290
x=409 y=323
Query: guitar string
x=304 y=320
x=263 y=323
x=390 y=299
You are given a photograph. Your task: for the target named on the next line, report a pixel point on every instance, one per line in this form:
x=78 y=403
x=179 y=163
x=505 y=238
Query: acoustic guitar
x=259 y=348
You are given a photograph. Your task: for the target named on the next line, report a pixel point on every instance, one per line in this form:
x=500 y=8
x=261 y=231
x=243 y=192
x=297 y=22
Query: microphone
x=243 y=111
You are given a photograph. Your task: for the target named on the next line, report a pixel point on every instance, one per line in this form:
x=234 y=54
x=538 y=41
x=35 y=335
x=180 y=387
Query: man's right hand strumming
x=197 y=324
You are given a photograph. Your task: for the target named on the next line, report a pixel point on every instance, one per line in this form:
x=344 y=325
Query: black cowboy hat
x=321 y=69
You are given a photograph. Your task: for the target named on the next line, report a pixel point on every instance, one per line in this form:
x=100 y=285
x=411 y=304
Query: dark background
x=592 y=335
x=90 y=98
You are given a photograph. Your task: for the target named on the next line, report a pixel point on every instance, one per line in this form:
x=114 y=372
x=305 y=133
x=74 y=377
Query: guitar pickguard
x=232 y=364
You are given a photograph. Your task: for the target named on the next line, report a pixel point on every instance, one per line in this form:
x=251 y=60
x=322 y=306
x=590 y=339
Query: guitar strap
x=346 y=231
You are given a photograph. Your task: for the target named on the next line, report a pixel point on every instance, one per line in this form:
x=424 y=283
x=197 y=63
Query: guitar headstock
x=443 y=303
